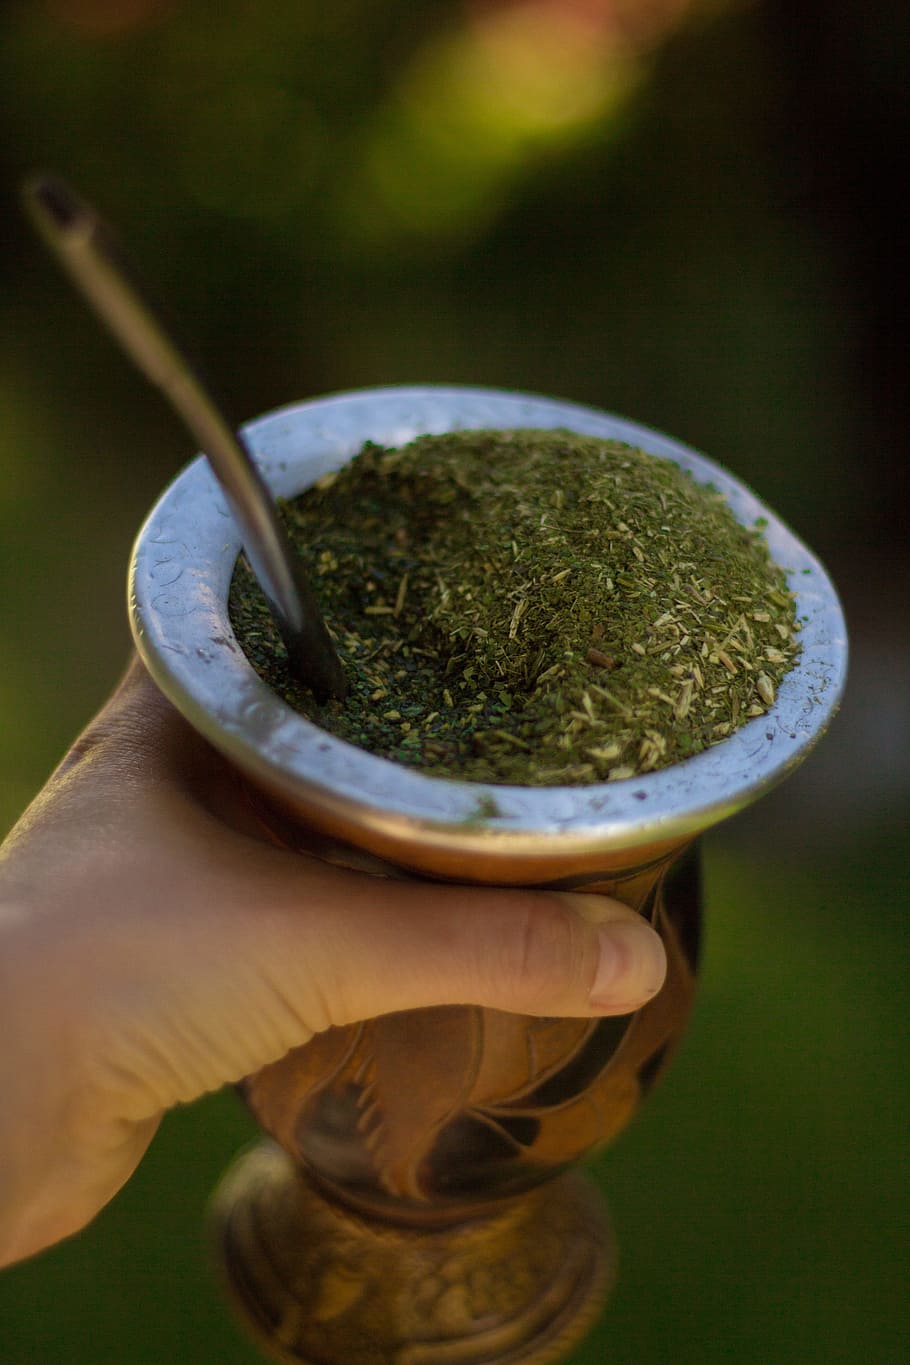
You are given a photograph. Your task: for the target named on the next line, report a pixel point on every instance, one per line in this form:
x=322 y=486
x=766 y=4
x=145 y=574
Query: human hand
x=153 y=947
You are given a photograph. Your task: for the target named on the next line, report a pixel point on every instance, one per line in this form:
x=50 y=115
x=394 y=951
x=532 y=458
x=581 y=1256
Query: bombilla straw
x=92 y=257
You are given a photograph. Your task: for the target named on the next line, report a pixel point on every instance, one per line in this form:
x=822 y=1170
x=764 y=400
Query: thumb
x=410 y=945
x=268 y=948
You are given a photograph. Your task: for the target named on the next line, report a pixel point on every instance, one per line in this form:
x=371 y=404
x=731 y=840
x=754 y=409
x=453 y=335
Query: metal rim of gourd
x=178 y=586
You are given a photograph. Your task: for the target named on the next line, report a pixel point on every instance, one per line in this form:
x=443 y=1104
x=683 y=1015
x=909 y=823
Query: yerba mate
x=531 y=607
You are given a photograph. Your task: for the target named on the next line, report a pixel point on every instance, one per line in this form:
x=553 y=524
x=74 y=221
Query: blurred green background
x=680 y=211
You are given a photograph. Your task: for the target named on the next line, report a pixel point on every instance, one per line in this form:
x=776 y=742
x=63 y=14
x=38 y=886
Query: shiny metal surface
x=178 y=586
x=95 y=263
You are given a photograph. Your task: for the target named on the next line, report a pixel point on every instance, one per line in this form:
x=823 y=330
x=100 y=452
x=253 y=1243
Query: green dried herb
x=535 y=607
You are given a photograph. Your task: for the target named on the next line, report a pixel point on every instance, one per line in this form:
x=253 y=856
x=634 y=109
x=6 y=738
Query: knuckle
x=547 y=964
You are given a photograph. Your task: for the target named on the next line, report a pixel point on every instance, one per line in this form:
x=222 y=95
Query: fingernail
x=631 y=967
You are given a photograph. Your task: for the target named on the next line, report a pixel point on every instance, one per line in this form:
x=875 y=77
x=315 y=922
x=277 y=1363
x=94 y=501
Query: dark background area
x=686 y=213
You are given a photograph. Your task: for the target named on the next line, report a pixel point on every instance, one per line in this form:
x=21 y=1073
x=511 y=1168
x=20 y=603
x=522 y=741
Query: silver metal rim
x=178 y=586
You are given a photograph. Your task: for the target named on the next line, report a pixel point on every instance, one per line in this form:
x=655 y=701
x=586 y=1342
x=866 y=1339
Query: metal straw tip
x=53 y=200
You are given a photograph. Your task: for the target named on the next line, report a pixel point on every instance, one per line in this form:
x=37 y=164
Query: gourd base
x=318 y=1283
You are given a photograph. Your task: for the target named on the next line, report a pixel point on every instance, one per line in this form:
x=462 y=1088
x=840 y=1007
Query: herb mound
x=535 y=607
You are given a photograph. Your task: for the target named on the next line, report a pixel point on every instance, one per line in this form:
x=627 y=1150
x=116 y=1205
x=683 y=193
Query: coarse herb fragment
x=532 y=607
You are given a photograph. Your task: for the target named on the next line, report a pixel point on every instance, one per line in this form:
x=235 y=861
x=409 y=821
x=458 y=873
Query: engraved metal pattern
x=412 y=1114
x=321 y=1285
x=415 y=1219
